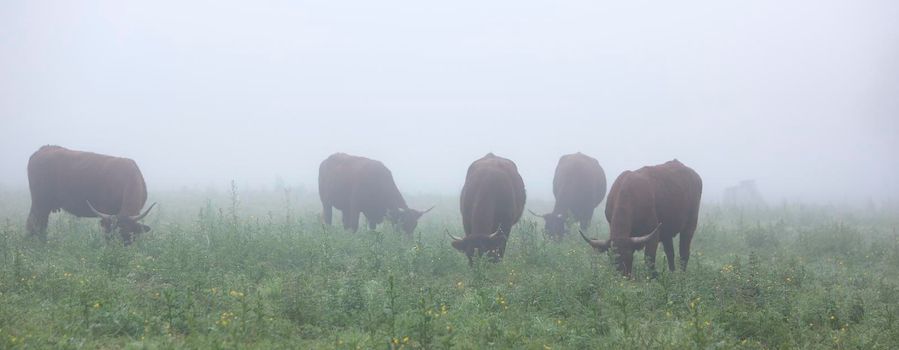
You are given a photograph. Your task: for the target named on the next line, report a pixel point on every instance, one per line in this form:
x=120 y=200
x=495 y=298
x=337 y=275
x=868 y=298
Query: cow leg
x=507 y=230
x=327 y=213
x=374 y=219
x=372 y=223
x=650 y=256
x=585 y=219
x=351 y=220
x=686 y=236
x=685 y=239
x=668 y=244
x=37 y=222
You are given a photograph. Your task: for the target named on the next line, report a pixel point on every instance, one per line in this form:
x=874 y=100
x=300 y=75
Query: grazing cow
x=579 y=185
x=649 y=205
x=357 y=185
x=492 y=201
x=86 y=185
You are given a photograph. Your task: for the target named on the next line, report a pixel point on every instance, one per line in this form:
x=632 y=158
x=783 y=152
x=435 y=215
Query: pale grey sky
x=802 y=96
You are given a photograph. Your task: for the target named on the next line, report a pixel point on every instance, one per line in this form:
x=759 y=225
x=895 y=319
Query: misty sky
x=802 y=96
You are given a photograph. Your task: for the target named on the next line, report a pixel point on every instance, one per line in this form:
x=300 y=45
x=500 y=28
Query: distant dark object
x=492 y=202
x=86 y=185
x=744 y=195
x=579 y=186
x=357 y=185
x=651 y=204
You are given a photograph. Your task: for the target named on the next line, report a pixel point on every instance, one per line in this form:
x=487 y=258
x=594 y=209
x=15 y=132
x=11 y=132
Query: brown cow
x=492 y=201
x=648 y=205
x=579 y=185
x=86 y=185
x=357 y=185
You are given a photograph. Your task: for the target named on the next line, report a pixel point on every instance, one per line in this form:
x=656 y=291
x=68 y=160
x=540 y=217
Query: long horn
x=583 y=235
x=453 y=237
x=429 y=209
x=595 y=243
x=535 y=214
x=642 y=240
x=141 y=216
x=497 y=233
x=97 y=212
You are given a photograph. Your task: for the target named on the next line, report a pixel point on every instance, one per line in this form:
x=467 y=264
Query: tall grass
x=257 y=269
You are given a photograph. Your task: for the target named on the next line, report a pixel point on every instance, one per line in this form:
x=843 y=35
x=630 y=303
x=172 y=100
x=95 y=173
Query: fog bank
x=799 y=96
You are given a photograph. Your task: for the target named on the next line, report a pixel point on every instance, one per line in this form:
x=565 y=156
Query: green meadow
x=256 y=269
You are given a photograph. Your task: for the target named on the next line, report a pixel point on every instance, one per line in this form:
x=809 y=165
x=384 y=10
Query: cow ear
x=460 y=244
x=145 y=228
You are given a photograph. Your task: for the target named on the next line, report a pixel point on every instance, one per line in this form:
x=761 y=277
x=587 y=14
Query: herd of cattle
x=644 y=207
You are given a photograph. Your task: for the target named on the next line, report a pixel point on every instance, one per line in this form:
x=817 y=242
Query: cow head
x=554 y=224
x=127 y=226
x=623 y=248
x=407 y=219
x=493 y=245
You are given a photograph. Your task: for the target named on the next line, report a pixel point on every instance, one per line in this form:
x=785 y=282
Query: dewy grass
x=256 y=269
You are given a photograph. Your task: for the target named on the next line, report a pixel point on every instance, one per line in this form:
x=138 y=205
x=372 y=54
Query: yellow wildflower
x=226 y=318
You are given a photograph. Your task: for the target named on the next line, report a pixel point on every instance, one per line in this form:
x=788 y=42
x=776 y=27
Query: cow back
x=67 y=179
x=579 y=184
x=350 y=181
x=493 y=196
x=638 y=200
